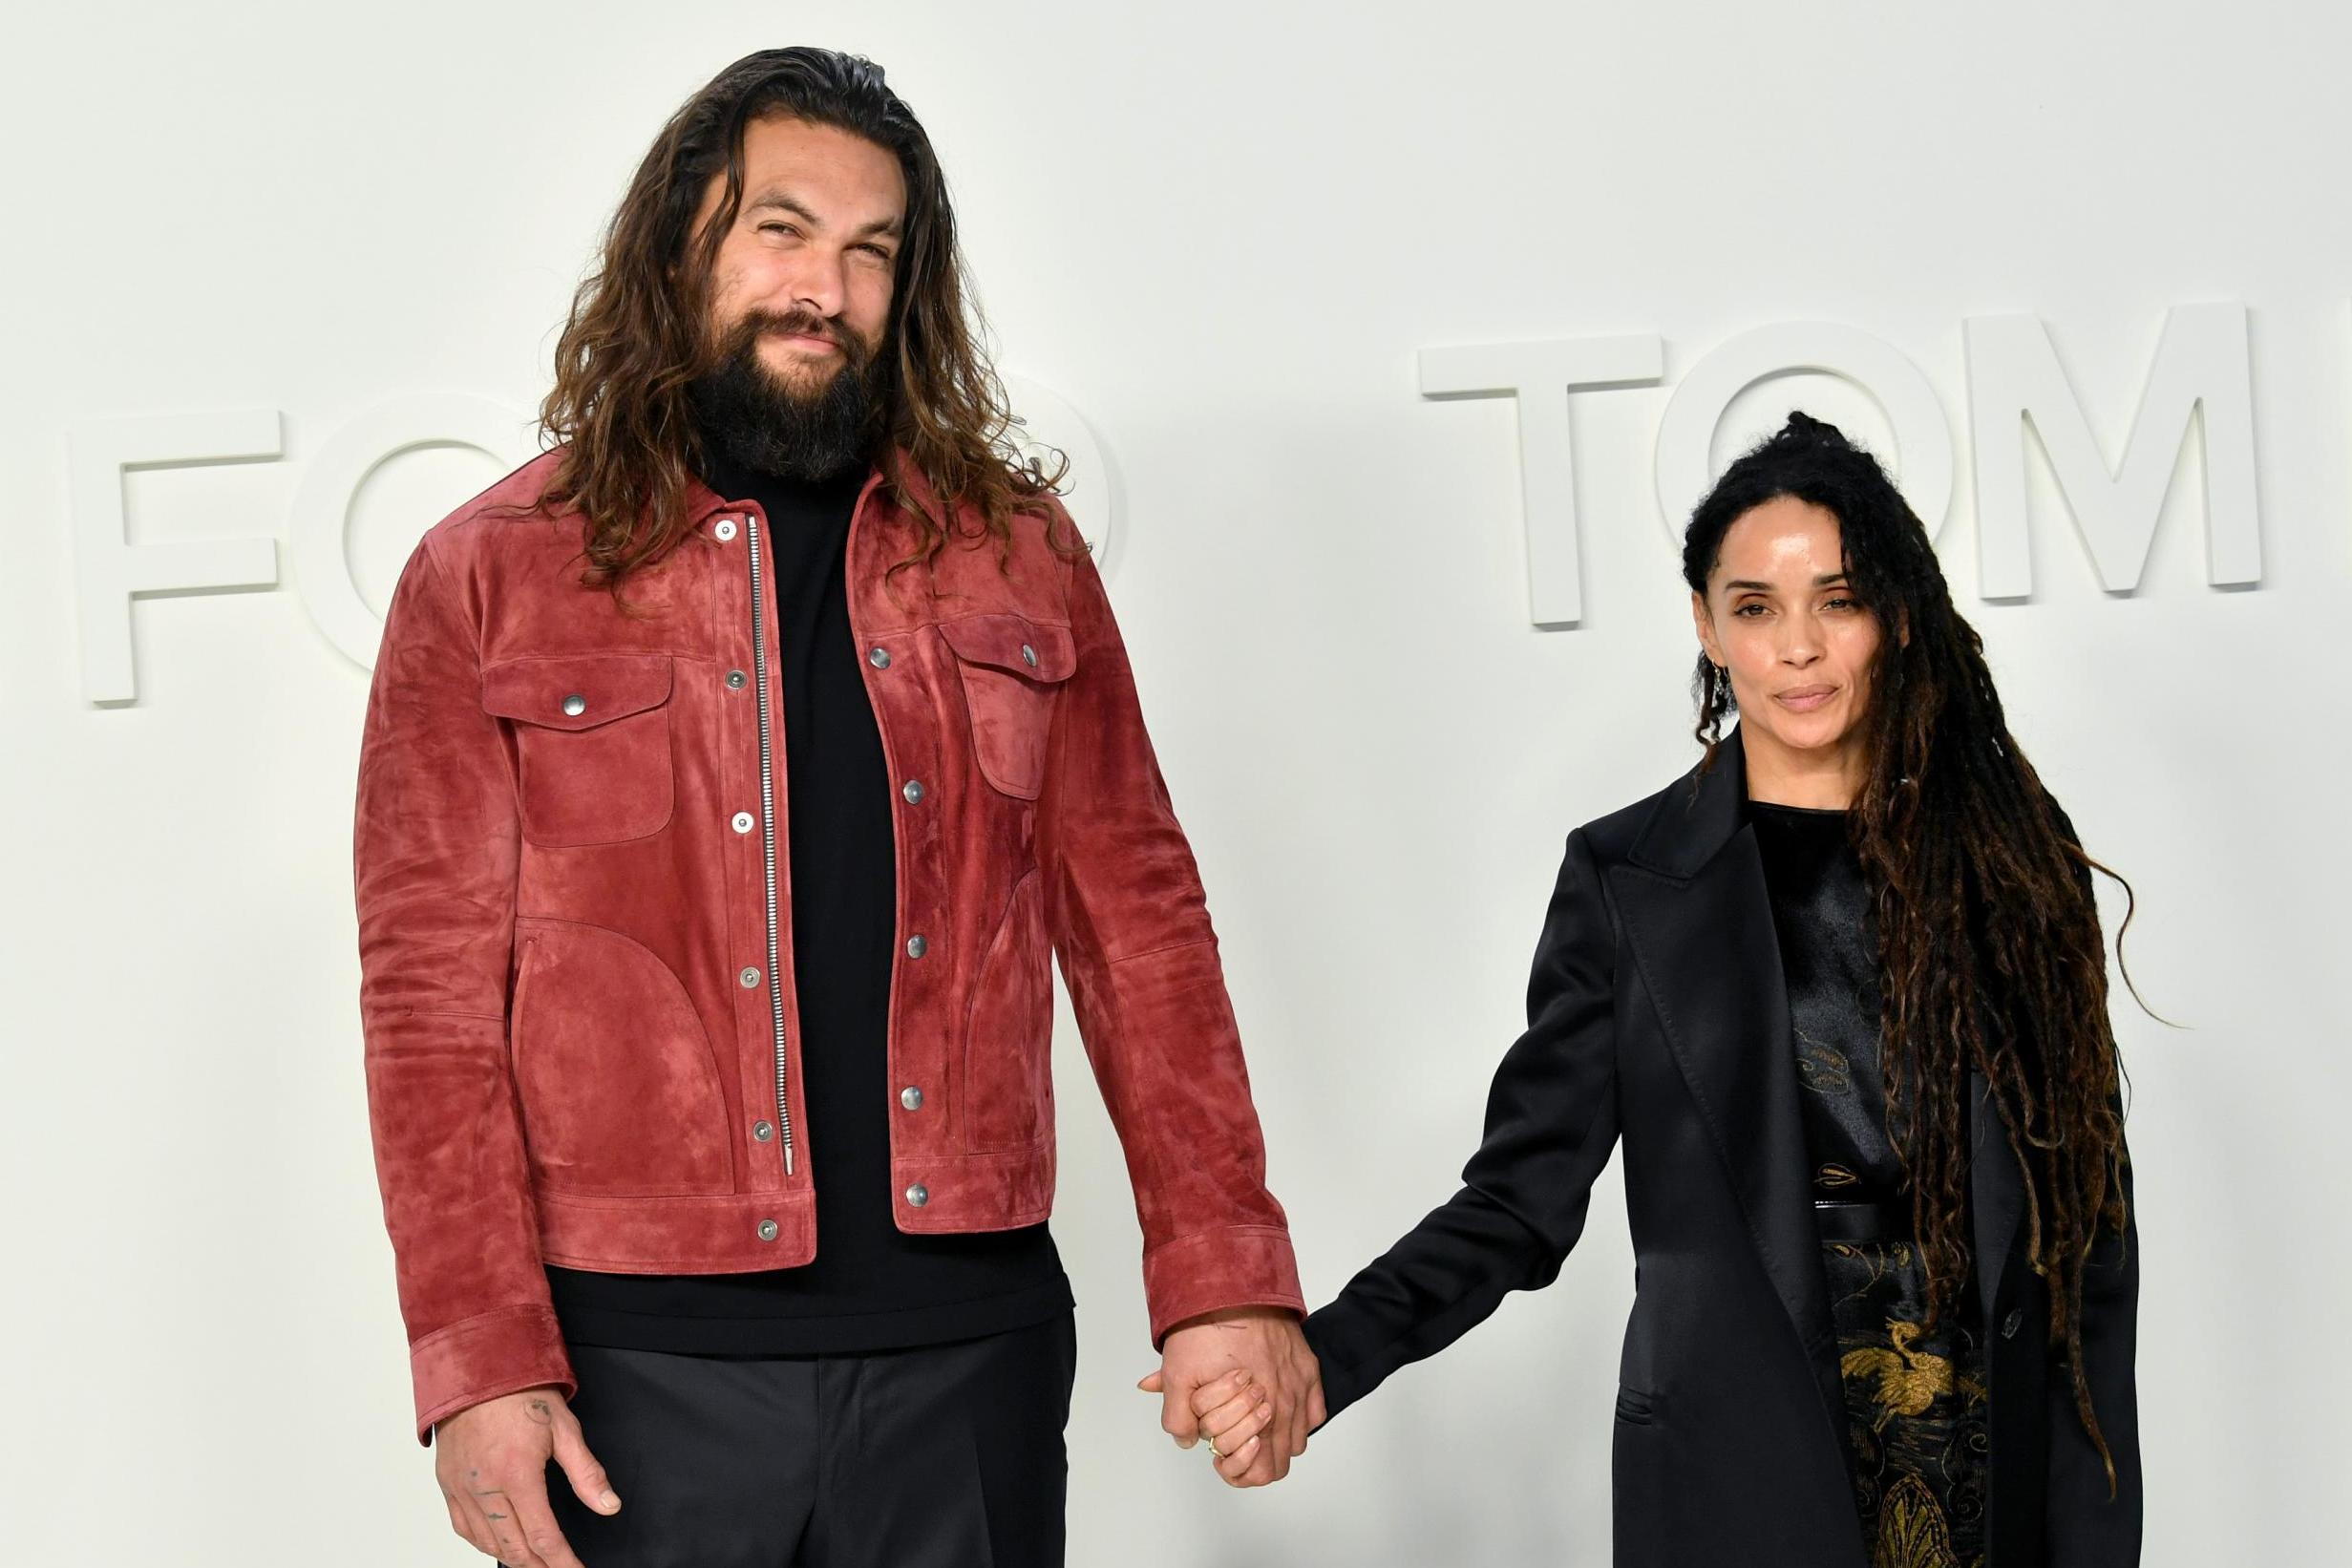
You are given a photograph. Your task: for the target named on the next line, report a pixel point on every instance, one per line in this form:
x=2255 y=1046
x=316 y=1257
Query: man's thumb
x=1153 y=1384
x=1176 y=1412
x=590 y=1483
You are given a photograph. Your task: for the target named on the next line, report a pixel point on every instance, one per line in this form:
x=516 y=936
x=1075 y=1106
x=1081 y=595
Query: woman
x=1841 y=993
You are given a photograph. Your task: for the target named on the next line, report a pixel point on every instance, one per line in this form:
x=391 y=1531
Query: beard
x=752 y=416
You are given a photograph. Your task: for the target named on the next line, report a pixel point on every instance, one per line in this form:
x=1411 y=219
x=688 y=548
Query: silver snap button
x=918 y=1195
x=916 y=946
x=749 y=977
x=762 y=1132
x=575 y=705
x=879 y=658
x=735 y=680
x=1028 y=656
x=911 y=1097
x=913 y=792
x=725 y=531
x=742 y=822
x=766 y=1230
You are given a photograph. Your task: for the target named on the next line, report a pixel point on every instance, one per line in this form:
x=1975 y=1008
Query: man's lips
x=1804 y=699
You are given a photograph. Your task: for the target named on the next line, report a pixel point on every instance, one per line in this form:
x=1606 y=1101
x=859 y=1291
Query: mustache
x=745 y=335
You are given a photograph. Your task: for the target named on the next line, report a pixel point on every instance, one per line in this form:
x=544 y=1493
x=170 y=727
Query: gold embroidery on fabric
x=1885 y=1263
x=1912 y=1532
x=1833 y=1176
x=1909 y=1381
x=1821 y=1067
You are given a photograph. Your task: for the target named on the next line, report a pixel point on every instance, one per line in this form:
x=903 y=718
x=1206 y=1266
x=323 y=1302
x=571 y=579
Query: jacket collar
x=1697 y=815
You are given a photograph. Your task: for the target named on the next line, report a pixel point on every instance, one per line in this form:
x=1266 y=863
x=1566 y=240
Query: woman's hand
x=1234 y=1413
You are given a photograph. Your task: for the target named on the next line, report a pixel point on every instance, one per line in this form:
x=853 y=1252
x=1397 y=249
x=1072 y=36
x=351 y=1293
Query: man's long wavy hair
x=1989 y=949
x=637 y=337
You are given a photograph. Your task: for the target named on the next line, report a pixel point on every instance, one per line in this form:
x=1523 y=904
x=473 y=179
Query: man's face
x=800 y=382
x=810 y=260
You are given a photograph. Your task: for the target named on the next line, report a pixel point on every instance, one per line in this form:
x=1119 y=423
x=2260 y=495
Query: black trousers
x=940 y=1456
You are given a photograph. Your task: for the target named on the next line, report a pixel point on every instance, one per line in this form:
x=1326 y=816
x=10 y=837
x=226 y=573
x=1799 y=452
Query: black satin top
x=1917 y=1396
x=1829 y=953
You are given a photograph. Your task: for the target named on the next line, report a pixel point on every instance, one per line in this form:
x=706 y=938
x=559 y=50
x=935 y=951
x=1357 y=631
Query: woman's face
x=1778 y=614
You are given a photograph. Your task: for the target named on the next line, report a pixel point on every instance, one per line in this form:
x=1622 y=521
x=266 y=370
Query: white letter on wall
x=321 y=506
x=1541 y=375
x=2201 y=362
x=1686 y=431
x=110 y=569
x=1048 y=419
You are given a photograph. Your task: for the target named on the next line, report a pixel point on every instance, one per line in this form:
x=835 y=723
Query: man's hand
x=1244 y=1378
x=493 y=1468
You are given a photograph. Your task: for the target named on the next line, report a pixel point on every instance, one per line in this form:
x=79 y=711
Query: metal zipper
x=767 y=832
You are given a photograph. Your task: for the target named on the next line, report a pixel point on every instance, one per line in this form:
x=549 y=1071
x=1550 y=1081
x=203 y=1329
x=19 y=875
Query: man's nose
x=816 y=284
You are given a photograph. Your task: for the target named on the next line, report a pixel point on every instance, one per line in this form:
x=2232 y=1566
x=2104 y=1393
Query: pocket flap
x=577 y=691
x=1037 y=649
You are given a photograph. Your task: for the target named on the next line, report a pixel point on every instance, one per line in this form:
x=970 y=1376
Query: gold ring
x=1212 y=1452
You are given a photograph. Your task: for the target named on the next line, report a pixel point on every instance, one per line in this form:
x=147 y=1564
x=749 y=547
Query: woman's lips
x=1804 y=699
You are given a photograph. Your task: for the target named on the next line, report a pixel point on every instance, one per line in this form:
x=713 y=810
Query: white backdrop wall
x=1222 y=234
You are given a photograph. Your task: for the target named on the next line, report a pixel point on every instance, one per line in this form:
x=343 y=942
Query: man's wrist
x=1234 y=1314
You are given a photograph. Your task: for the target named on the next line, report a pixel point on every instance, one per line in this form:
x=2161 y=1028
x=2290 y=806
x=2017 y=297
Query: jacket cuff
x=482 y=1357
x=1235 y=1265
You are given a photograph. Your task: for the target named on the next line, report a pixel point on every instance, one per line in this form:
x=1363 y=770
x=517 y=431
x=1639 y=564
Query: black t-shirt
x=871 y=1286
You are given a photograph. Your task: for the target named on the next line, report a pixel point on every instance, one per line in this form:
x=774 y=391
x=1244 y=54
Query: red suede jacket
x=582 y=1040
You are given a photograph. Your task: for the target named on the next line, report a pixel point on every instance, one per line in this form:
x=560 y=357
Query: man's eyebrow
x=780 y=199
x=788 y=202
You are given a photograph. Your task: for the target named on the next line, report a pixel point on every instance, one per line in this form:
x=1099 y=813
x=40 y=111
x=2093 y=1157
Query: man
x=730 y=773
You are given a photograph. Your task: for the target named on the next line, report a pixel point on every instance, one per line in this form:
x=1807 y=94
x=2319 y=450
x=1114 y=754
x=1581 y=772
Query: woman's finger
x=1229 y=1417
x=1215 y=1392
x=1226 y=1416
x=1238 y=1460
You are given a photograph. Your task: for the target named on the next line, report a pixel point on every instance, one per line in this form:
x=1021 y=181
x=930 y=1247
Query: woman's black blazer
x=1657 y=1018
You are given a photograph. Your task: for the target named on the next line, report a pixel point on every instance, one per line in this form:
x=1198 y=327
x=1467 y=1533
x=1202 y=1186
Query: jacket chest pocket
x=1010 y=667
x=591 y=742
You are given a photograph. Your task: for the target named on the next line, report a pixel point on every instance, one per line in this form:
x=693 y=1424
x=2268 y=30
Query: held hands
x=492 y=1462
x=1244 y=1380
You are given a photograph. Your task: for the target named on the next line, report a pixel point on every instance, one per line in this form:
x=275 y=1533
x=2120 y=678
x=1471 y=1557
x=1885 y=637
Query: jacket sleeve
x=1551 y=1122
x=1131 y=925
x=434 y=847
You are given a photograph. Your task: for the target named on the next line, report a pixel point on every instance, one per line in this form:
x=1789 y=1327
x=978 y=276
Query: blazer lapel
x=1700 y=923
